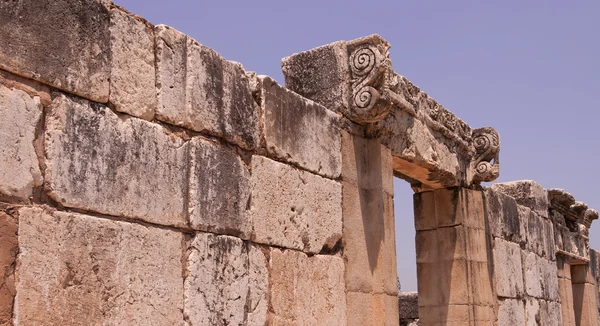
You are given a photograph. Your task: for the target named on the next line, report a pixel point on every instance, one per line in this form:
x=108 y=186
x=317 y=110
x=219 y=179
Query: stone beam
x=432 y=148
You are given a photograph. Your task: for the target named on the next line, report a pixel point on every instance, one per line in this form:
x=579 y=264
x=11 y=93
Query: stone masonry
x=147 y=180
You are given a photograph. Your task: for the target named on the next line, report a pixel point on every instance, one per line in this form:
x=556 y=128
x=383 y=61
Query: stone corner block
x=132 y=81
x=19 y=165
x=219 y=189
x=198 y=89
x=84 y=270
x=98 y=161
x=75 y=34
x=300 y=131
x=320 y=74
x=294 y=209
x=527 y=193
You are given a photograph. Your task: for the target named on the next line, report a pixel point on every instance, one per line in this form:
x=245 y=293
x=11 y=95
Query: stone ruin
x=145 y=180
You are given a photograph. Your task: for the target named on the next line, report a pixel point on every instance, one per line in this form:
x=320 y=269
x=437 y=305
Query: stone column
x=368 y=233
x=565 y=290
x=584 y=295
x=454 y=277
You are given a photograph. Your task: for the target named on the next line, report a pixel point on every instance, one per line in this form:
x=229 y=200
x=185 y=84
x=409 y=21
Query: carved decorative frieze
x=485 y=163
x=370 y=71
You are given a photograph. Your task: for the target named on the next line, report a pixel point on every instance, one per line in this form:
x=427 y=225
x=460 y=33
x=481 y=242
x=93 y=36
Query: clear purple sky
x=530 y=69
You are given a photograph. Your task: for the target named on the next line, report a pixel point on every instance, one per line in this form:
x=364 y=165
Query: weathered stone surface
x=320 y=74
x=408 y=305
x=98 y=161
x=449 y=207
x=584 y=303
x=503 y=216
x=527 y=193
x=300 y=131
x=258 y=286
x=508 y=270
x=539 y=233
x=199 y=90
x=8 y=256
x=511 y=312
x=369 y=241
x=216 y=283
x=366 y=163
x=132 y=78
x=550 y=314
x=294 y=209
x=19 y=165
x=62 y=43
x=306 y=290
x=80 y=270
x=219 y=189
x=540 y=276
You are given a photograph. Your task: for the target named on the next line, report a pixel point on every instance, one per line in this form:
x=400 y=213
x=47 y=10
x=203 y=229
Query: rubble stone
x=98 y=161
x=19 y=165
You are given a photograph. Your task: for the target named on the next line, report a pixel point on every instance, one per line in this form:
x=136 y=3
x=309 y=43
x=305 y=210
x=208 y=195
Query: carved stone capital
x=370 y=73
x=485 y=165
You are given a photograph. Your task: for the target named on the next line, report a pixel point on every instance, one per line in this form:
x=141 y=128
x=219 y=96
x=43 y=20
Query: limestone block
x=219 y=189
x=532 y=311
x=300 y=131
x=8 y=255
x=369 y=240
x=294 y=209
x=550 y=279
x=306 y=290
x=550 y=314
x=408 y=305
x=366 y=163
x=199 y=90
x=566 y=301
x=527 y=193
x=258 y=286
x=133 y=76
x=61 y=43
x=511 y=312
x=76 y=269
x=98 y=161
x=360 y=310
x=584 y=302
x=19 y=166
x=216 y=283
x=449 y=207
x=503 y=217
x=320 y=74
x=171 y=64
x=508 y=269
x=533 y=274
x=539 y=233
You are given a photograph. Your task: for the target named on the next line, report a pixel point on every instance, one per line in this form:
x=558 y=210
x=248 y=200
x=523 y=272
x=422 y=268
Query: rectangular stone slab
x=78 y=269
x=62 y=43
x=294 y=209
x=115 y=165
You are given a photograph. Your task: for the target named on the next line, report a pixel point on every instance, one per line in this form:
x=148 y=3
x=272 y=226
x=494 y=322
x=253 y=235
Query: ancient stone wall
x=146 y=180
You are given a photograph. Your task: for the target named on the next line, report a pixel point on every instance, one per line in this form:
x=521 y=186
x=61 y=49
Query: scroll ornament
x=485 y=163
x=369 y=72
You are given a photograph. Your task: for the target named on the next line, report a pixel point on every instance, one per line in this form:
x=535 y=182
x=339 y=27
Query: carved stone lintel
x=485 y=165
x=370 y=70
